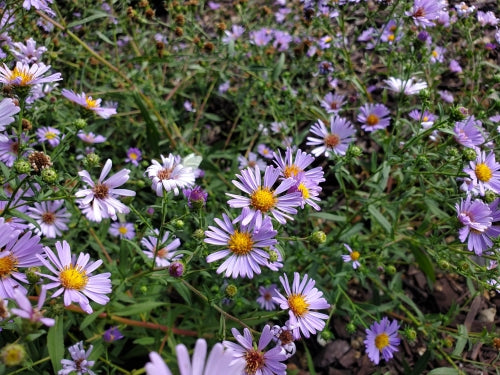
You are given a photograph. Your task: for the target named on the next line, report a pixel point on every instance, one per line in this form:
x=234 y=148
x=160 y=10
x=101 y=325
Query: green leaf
x=351 y=232
x=89 y=319
x=88 y=19
x=212 y=117
x=152 y=134
x=141 y=307
x=55 y=343
x=145 y=341
x=443 y=371
x=183 y=291
x=421 y=364
x=310 y=363
x=379 y=218
x=104 y=37
x=279 y=67
x=462 y=340
x=424 y=263
x=329 y=217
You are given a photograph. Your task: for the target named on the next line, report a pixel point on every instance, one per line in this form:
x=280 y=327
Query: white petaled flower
x=170 y=175
x=99 y=201
x=408 y=87
x=51 y=217
x=7 y=110
x=89 y=103
x=25 y=75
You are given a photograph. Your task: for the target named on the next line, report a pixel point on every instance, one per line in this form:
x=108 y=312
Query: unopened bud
x=12 y=354
x=318 y=237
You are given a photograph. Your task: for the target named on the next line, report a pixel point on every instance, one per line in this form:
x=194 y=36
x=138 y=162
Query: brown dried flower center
x=101 y=191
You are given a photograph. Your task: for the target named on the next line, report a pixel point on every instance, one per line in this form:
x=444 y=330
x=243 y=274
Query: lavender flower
x=333 y=103
x=134 y=156
x=333 y=141
x=251 y=162
x=73 y=277
x=26 y=310
x=7 y=110
x=27 y=53
x=170 y=175
x=484 y=173
x=99 y=201
x=196 y=197
x=265 y=299
x=90 y=137
x=283 y=336
x=79 y=363
x=425 y=12
x=245 y=247
x=24 y=75
x=469 y=132
x=51 y=216
x=42 y=5
x=265 y=151
x=382 y=338
x=112 y=334
x=301 y=299
x=373 y=117
x=162 y=253
x=257 y=360
x=122 y=230
x=87 y=102
x=48 y=134
x=235 y=33
x=353 y=257
x=408 y=87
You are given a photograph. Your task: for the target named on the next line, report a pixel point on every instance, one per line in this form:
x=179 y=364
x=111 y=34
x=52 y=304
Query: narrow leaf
x=443 y=371
x=141 y=307
x=379 y=218
x=55 y=343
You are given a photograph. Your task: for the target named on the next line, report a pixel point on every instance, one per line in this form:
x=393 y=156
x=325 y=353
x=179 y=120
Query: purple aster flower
x=374 y=117
x=446 y=96
x=251 y=162
x=48 y=134
x=425 y=12
x=9 y=148
x=99 y=201
x=455 y=66
x=162 y=253
x=79 y=362
x=469 y=132
x=353 y=257
x=265 y=151
x=325 y=67
x=73 y=277
x=477 y=218
x=134 y=156
x=408 y=87
x=295 y=166
x=265 y=299
x=309 y=189
x=176 y=269
x=245 y=247
x=301 y=299
x=382 y=338
x=27 y=311
x=426 y=118
x=389 y=32
x=223 y=87
x=87 y=102
x=25 y=75
x=485 y=173
x=258 y=361
x=333 y=141
x=42 y=5
x=261 y=37
x=235 y=33
x=170 y=175
x=333 y=103
x=112 y=334
x=51 y=217
x=282 y=39
x=122 y=230
x=263 y=197
x=486 y=18
x=188 y=106
x=17 y=252
x=27 y=53
x=7 y=110
x=219 y=361
x=283 y=336
x=90 y=137
x=196 y=197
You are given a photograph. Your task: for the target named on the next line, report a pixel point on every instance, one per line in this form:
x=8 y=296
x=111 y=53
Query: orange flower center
x=381 y=341
x=331 y=140
x=298 y=304
x=263 y=200
x=7 y=265
x=372 y=119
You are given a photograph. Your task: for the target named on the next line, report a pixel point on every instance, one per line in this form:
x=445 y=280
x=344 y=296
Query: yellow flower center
x=123 y=230
x=255 y=361
x=483 y=172
x=381 y=341
x=298 y=304
x=355 y=255
x=391 y=38
x=263 y=200
x=91 y=103
x=425 y=119
x=291 y=171
x=24 y=75
x=50 y=135
x=72 y=277
x=372 y=119
x=133 y=156
x=240 y=243
x=7 y=265
x=435 y=53
x=304 y=191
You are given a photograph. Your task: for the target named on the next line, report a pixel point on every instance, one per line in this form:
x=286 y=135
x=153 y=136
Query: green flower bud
x=22 y=166
x=422 y=160
x=390 y=269
x=489 y=196
x=144 y=289
x=179 y=224
x=350 y=328
x=91 y=160
x=410 y=333
x=452 y=151
x=273 y=256
x=326 y=334
x=140 y=184
x=464 y=266
x=231 y=290
x=32 y=275
x=49 y=175
x=318 y=237
x=12 y=354
x=354 y=151
x=470 y=154
x=199 y=234
x=443 y=264
x=80 y=123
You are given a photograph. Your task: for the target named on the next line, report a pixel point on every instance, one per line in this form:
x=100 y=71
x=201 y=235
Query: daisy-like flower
x=469 y=132
x=79 y=361
x=48 y=134
x=7 y=110
x=295 y=166
x=219 y=361
x=265 y=151
x=426 y=12
x=485 y=173
x=301 y=299
x=251 y=161
x=87 y=102
x=51 y=216
x=90 y=137
x=74 y=279
x=265 y=300
x=170 y=175
x=425 y=118
x=9 y=148
x=16 y=253
x=122 y=230
x=477 y=218
x=27 y=53
x=408 y=87
x=245 y=247
x=353 y=257
x=27 y=311
x=437 y=54
x=446 y=96
x=333 y=141
x=235 y=33
x=263 y=198
x=99 y=201
x=283 y=336
x=309 y=189
x=42 y=5
x=373 y=117
x=382 y=338
x=24 y=75
x=112 y=334
x=196 y=197
x=258 y=361
x=333 y=103
x=134 y=156
x=162 y=253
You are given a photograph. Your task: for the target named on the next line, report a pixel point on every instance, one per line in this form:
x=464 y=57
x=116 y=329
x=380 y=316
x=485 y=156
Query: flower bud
x=354 y=151
x=22 y=166
x=32 y=275
x=318 y=237
x=410 y=333
x=176 y=269
x=49 y=175
x=326 y=334
x=91 y=160
x=470 y=154
x=390 y=269
x=350 y=328
x=490 y=196
x=12 y=354
x=80 y=123
x=199 y=234
x=231 y=290
x=179 y=223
